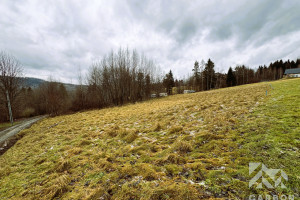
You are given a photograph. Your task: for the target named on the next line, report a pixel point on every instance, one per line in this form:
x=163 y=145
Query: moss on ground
x=180 y=147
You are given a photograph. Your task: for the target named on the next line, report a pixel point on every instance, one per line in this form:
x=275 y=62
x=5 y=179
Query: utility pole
x=9 y=109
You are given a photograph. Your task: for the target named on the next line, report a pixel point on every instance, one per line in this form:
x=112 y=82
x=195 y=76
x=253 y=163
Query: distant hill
x=36 y=82
x=33 y=82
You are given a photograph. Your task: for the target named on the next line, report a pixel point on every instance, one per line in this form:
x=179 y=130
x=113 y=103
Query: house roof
x=292 y=71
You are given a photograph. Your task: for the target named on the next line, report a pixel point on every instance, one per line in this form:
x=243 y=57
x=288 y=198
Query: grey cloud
x=258 y=23
x=59 y=37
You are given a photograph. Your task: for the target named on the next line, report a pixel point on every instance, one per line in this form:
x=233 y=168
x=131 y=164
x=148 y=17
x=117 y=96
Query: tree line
x=205 y=78
x=118 y=78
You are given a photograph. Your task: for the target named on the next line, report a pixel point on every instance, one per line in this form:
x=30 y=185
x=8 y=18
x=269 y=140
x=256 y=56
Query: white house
x=153 y=95
x=163 y=94
x=292 y=72
x=188 y=91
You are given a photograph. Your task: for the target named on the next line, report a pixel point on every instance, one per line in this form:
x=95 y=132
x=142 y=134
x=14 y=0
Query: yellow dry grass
x=169 y=148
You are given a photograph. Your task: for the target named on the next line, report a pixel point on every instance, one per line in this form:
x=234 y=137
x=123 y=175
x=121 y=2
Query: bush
x=28 y=112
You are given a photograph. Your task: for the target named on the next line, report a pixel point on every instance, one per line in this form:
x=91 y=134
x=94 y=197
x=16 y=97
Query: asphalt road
x=9 y=132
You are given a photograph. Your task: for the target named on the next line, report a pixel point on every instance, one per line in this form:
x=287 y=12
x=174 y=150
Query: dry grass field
x=187 y=146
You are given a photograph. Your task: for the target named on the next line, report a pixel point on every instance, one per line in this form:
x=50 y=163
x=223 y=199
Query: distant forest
x=119 y=78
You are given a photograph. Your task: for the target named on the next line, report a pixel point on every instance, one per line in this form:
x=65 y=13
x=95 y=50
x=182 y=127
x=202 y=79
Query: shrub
x=28 y=112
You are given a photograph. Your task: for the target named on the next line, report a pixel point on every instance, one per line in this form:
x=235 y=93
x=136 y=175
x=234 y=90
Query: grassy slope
x=180 y=147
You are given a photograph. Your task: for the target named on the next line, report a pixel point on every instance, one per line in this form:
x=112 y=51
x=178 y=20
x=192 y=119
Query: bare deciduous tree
x=120 y=78
x=11 y=72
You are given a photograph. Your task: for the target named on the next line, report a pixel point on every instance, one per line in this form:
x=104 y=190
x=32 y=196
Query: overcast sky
x=57 y=37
